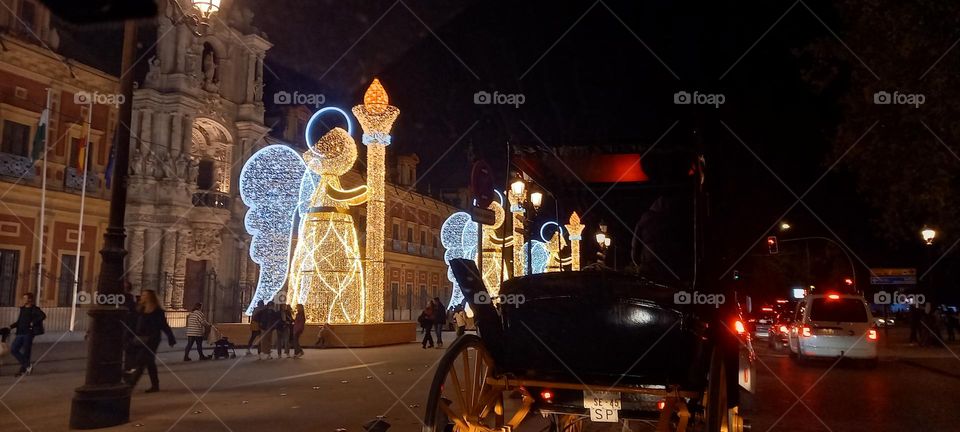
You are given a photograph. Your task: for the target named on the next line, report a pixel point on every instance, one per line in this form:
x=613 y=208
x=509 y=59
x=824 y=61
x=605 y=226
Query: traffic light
x=736 y=275
x=848 y=281
x=773 y=245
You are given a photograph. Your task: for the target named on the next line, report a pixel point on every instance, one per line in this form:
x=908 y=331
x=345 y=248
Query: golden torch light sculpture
x=376 y=117
x=575 y=228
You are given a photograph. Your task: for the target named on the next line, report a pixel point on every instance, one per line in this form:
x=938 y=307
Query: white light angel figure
x=325 y=273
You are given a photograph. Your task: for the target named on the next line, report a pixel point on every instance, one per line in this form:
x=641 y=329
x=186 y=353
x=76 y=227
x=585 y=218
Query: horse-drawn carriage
x=591 y=347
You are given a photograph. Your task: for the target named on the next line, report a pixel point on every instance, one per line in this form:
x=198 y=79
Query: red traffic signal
x=848 y=281
x=773 y=245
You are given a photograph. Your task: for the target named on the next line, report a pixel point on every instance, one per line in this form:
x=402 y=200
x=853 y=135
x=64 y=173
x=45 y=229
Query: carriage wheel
x=460 y=398
x=567 y=423
x=720 y=418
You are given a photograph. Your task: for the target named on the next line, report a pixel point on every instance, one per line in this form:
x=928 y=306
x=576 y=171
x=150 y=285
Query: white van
x=834 y=325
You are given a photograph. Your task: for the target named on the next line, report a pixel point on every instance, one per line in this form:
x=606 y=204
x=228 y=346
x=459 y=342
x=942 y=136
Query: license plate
x=603 y=406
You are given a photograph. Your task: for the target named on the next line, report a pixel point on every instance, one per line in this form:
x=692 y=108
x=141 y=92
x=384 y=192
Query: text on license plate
x=603 y=406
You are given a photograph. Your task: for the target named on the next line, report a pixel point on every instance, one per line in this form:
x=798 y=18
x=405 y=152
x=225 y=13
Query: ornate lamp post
x=376 y=117
x=575 y=230
x=104 y=399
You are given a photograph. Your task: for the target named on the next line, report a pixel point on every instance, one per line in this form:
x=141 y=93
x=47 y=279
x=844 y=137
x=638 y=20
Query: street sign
x=482 y=216
x=893 y=276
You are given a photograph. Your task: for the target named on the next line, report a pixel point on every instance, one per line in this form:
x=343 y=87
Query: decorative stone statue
x=193 y=170
x=209 y=69
x=181 y=165
x=136 y=161
x=149 y=164
x=153 y=74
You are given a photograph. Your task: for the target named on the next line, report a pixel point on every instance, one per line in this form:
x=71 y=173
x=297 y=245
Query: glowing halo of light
x=316 y=115
x=545 y=224
x=500 y=196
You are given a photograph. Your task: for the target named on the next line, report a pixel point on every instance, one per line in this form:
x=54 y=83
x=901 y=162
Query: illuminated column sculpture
x=575 y=228
x=493 y=268
x=376 y=117
x=516 y=208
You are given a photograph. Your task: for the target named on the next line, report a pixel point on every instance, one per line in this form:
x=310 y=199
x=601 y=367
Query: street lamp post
x=104 y=399
x=603 y=241
x=929 y=235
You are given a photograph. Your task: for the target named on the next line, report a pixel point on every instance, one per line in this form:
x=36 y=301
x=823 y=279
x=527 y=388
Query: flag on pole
x=82 y=149
x=39 y=139
x=108 y=174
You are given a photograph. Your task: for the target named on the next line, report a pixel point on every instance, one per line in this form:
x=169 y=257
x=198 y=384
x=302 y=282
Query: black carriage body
x=590 y=327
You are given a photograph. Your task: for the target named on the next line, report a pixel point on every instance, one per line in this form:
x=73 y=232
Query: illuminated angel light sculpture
x=376 y=117
x=575 y=230
x=493 y=268
x=326 y=272
x=554 y=248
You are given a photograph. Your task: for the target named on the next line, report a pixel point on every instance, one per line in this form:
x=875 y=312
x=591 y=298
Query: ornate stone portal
x=200 y=102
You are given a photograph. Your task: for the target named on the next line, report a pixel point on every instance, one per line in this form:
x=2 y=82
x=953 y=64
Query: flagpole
x=87 y=147
x=43 y=201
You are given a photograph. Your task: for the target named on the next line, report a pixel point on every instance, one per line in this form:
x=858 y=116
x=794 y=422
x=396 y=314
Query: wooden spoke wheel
x=720 y=417
x=461 y=399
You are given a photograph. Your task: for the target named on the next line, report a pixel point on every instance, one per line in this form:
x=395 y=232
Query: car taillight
x=805 y=331
x=546 y=395
x=738 y=325
x=872 y=334
x=661 y=404
x=783 y=329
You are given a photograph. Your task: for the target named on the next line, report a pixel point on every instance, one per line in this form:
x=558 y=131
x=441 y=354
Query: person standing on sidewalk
x=299 y=325
x=284 y=327
x=197 y=325
x=268 y=324
x=460 y=316
x=426 y=323
x=29 y=324
x=151 y=324
x=254 y=329
x=439 y=319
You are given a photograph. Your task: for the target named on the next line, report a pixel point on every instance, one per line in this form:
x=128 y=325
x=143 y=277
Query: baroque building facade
x=197 y=117
x=31 y=64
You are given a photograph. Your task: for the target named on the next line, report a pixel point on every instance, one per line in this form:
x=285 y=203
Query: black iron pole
x=104 y=399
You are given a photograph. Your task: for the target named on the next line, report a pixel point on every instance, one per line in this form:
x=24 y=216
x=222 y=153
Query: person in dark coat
x=151 y=325
x=29 y=324
x=426 y=323
x=268 y=318
x=439 y=319
x=255 y=329
x=299 y=325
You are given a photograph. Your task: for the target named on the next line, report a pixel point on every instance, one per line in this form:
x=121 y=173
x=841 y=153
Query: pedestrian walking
x=916 y=317
x=426 y=323
x=254 y=329
x=268 y=324
x=284 y=330
x=439 y=319
x=151 y=324
x=29 y=324
x=460 y=316
x=299 y=325
x=197 y=326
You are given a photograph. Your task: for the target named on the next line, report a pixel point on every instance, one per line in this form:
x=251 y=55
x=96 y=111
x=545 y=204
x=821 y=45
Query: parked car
x=834 y=325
